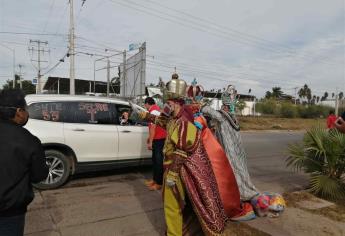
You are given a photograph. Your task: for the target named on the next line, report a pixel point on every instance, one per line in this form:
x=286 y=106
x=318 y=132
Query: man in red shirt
x=331 y=120
x=155 y=142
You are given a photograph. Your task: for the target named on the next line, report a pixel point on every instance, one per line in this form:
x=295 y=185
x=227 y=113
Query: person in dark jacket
x=22 y=162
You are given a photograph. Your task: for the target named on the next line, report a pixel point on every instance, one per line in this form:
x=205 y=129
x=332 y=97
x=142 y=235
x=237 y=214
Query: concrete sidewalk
x=115 y=205
x=122 y=206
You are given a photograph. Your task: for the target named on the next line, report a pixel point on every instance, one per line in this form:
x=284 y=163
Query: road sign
x=134 y=46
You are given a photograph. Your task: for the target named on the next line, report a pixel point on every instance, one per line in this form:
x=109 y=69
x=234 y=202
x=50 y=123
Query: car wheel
x=59 y=170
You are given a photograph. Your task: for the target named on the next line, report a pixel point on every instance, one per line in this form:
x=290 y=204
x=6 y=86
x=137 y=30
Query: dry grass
x=242 y=229
x=272 y=123
x=336 y=212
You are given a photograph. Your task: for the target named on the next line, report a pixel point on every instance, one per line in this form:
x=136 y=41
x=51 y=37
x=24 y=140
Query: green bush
x=322 y=156
x=288 y=110
x=267 y=106
x=313 y=111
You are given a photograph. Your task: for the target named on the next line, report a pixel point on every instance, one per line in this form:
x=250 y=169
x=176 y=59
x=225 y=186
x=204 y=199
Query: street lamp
x=14 y=63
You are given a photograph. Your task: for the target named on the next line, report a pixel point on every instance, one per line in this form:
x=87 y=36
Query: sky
x=251 y=44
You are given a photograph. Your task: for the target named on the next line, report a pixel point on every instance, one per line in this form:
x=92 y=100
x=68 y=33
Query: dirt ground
x=305 y=215
x=272 y=123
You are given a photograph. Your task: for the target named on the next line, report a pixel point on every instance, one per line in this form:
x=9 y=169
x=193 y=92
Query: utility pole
x=39 y=51
x=124 y=74
x=108 y=76
x=142 y=71
x=20 y=75
x=295 y=94
x=336 y=102
x=14 y=63
x=71 y=51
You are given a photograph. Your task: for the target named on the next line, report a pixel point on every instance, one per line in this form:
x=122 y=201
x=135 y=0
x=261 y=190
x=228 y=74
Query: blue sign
x=134 y=46
x=34 y=81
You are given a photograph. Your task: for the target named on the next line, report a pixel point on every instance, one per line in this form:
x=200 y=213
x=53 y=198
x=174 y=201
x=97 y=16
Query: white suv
x=83 y=133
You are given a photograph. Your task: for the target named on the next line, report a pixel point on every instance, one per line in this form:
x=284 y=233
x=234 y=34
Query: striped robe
x=230 y=139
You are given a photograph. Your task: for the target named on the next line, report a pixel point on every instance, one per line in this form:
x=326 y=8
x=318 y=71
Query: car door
x=90 y=130
x=132 y=138
x=46 y=121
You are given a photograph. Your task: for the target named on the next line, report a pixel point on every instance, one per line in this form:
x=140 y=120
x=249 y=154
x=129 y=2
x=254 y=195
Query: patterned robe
x=230 y=139
x=195 y=192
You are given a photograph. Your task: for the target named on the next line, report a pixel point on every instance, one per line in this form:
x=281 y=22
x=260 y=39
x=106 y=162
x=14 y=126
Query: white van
x=83 y=133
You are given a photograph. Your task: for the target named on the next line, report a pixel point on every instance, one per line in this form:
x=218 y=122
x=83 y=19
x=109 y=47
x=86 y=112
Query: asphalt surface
x=117 y=202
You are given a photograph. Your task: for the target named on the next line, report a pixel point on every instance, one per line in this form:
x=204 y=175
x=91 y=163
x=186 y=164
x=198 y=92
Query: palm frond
x=322 y=154
x=327 y=187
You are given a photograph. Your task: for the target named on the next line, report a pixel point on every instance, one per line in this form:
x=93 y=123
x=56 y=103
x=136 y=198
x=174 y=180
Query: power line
x=49 y=15
x=62 y=16
x=99 y=44
x=200 y=27
x=27 y=33
x=225 y=29
x=56 y=65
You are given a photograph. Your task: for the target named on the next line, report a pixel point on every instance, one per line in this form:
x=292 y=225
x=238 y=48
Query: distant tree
x=305 y=93
x=268 y=95
x=325 y=96
x=332 y=95
x=116 y=85
x=250 y=90
x=313 y=100
x=161 y=83
x=317 y=99
x=27 y=86
x=341 y=95
x=240 y=105
x=276 y=93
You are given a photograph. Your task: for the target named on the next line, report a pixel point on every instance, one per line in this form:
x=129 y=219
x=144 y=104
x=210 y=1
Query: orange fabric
x=226 y=181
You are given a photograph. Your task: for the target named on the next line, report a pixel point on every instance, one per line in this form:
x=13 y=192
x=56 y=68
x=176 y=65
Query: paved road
x=266 y=153
x=118 y=203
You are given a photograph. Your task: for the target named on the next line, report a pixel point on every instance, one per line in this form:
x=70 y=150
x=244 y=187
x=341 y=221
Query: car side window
x=48 y=111
x=121 y=110
x=90 y=113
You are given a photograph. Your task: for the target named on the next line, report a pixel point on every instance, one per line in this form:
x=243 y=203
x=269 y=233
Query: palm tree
x=268 y=95
x=324 y=97
x=301 y=93
x=332 y=95
x=277 y=92
x=305 y=92
x=317 y=99
x=321 y=155
x=341 y=95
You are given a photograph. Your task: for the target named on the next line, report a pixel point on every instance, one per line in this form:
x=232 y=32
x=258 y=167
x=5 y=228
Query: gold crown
x=176 y=88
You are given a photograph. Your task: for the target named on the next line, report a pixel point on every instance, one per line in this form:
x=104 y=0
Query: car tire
x=59 y=170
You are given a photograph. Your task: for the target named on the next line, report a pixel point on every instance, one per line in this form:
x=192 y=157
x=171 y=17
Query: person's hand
x=149 y=145
x=340 y=125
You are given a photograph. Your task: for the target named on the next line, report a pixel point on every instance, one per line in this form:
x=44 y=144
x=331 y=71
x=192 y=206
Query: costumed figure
x=190 y=191
x=227 y=132
x=226 y=181
x=268 y=204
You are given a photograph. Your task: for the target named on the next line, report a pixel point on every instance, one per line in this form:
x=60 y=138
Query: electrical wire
x=197 y=26
x=27 y=33
x=49 y=15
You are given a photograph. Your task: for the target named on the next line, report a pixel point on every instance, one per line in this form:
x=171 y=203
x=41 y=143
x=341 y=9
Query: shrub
x=313 y=111
x=267 y=106
x=322 y=156
x=288 y=110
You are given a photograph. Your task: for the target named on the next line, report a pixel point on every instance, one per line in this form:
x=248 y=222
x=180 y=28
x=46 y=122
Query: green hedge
x=289 y=110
